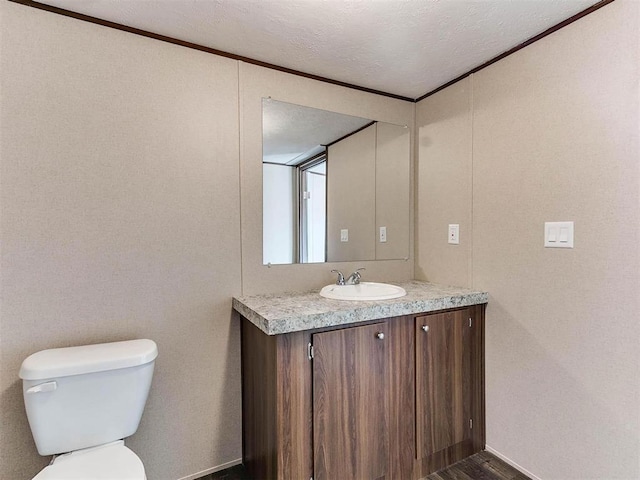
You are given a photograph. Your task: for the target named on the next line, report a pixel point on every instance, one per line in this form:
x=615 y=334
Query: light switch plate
x=558 y=234
x=344 y=235
x=454 y=234
x=383 y=234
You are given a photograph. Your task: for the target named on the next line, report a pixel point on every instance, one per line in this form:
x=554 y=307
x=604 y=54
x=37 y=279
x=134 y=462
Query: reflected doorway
x=313 y=210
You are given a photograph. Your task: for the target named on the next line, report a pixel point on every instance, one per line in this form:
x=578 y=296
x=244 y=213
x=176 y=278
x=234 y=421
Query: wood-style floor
x=233 y=473
x=481 y=466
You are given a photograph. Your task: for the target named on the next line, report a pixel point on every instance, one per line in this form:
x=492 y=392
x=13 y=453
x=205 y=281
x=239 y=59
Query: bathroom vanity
x=389 y=389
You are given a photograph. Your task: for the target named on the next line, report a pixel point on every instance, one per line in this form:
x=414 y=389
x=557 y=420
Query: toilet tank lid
x=62 y=362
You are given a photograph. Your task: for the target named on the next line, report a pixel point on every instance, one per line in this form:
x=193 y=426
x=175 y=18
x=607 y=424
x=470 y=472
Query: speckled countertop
x=293 y=312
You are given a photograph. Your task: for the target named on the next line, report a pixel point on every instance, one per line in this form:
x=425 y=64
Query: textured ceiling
x=293 y=133
x=402 y=47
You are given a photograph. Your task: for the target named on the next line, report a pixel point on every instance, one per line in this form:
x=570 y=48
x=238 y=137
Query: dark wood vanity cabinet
x=449 y=387
x=396 y=398
x=350 y=411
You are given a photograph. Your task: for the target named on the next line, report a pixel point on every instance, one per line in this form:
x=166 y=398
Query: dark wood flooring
x=481 y=466
x=233 y=473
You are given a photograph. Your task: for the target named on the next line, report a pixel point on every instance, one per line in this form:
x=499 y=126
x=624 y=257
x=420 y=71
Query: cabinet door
x=350 y=414
x=443 y=381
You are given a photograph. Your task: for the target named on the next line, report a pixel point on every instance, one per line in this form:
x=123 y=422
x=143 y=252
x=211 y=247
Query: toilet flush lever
x=43 y=387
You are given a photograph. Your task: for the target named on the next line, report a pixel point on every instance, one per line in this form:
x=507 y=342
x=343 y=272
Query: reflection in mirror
x=330 y=182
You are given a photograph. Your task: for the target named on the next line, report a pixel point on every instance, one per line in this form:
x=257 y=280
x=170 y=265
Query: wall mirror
x=335 y=187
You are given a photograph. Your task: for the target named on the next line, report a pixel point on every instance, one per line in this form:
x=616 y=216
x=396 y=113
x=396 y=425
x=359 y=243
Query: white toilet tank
x=80 y=397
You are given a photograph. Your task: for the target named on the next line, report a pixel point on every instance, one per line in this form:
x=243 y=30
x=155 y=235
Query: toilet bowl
x=106 y=462
x=81 y=402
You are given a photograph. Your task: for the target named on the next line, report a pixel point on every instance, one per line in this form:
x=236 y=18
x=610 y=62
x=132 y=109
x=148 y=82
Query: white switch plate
x=383 y=234
x=454 y=234
x=344 y=235
x=558 y=234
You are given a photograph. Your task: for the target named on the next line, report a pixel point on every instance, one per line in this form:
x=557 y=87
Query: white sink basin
x=363 y=291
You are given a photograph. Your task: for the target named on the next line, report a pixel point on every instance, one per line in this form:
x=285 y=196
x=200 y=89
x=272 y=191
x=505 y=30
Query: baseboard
x=511 y=462
x=208 y=471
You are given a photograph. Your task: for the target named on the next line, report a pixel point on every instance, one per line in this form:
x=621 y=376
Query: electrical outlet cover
x=454 y=234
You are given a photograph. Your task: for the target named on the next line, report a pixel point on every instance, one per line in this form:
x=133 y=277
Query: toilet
x=82 y=402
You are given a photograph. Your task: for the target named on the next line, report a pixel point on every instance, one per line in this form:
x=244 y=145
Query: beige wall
x=548 y=134
x=443 y=195
x=393 y=192
x=368 y=182
x=257 y=83
x=119 y=219
x=351 y=197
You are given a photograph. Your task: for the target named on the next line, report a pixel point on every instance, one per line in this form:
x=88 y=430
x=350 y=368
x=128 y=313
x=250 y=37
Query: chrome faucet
x=354 y=278
x=340 y=280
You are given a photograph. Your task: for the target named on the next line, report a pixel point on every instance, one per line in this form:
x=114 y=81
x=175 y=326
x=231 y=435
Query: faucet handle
x=340 y=280
x=354 y=278
x=357 y=275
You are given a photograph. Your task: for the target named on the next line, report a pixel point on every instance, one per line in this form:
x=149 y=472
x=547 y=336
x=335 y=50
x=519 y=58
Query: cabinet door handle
x=380 y=336
x=425 y=328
